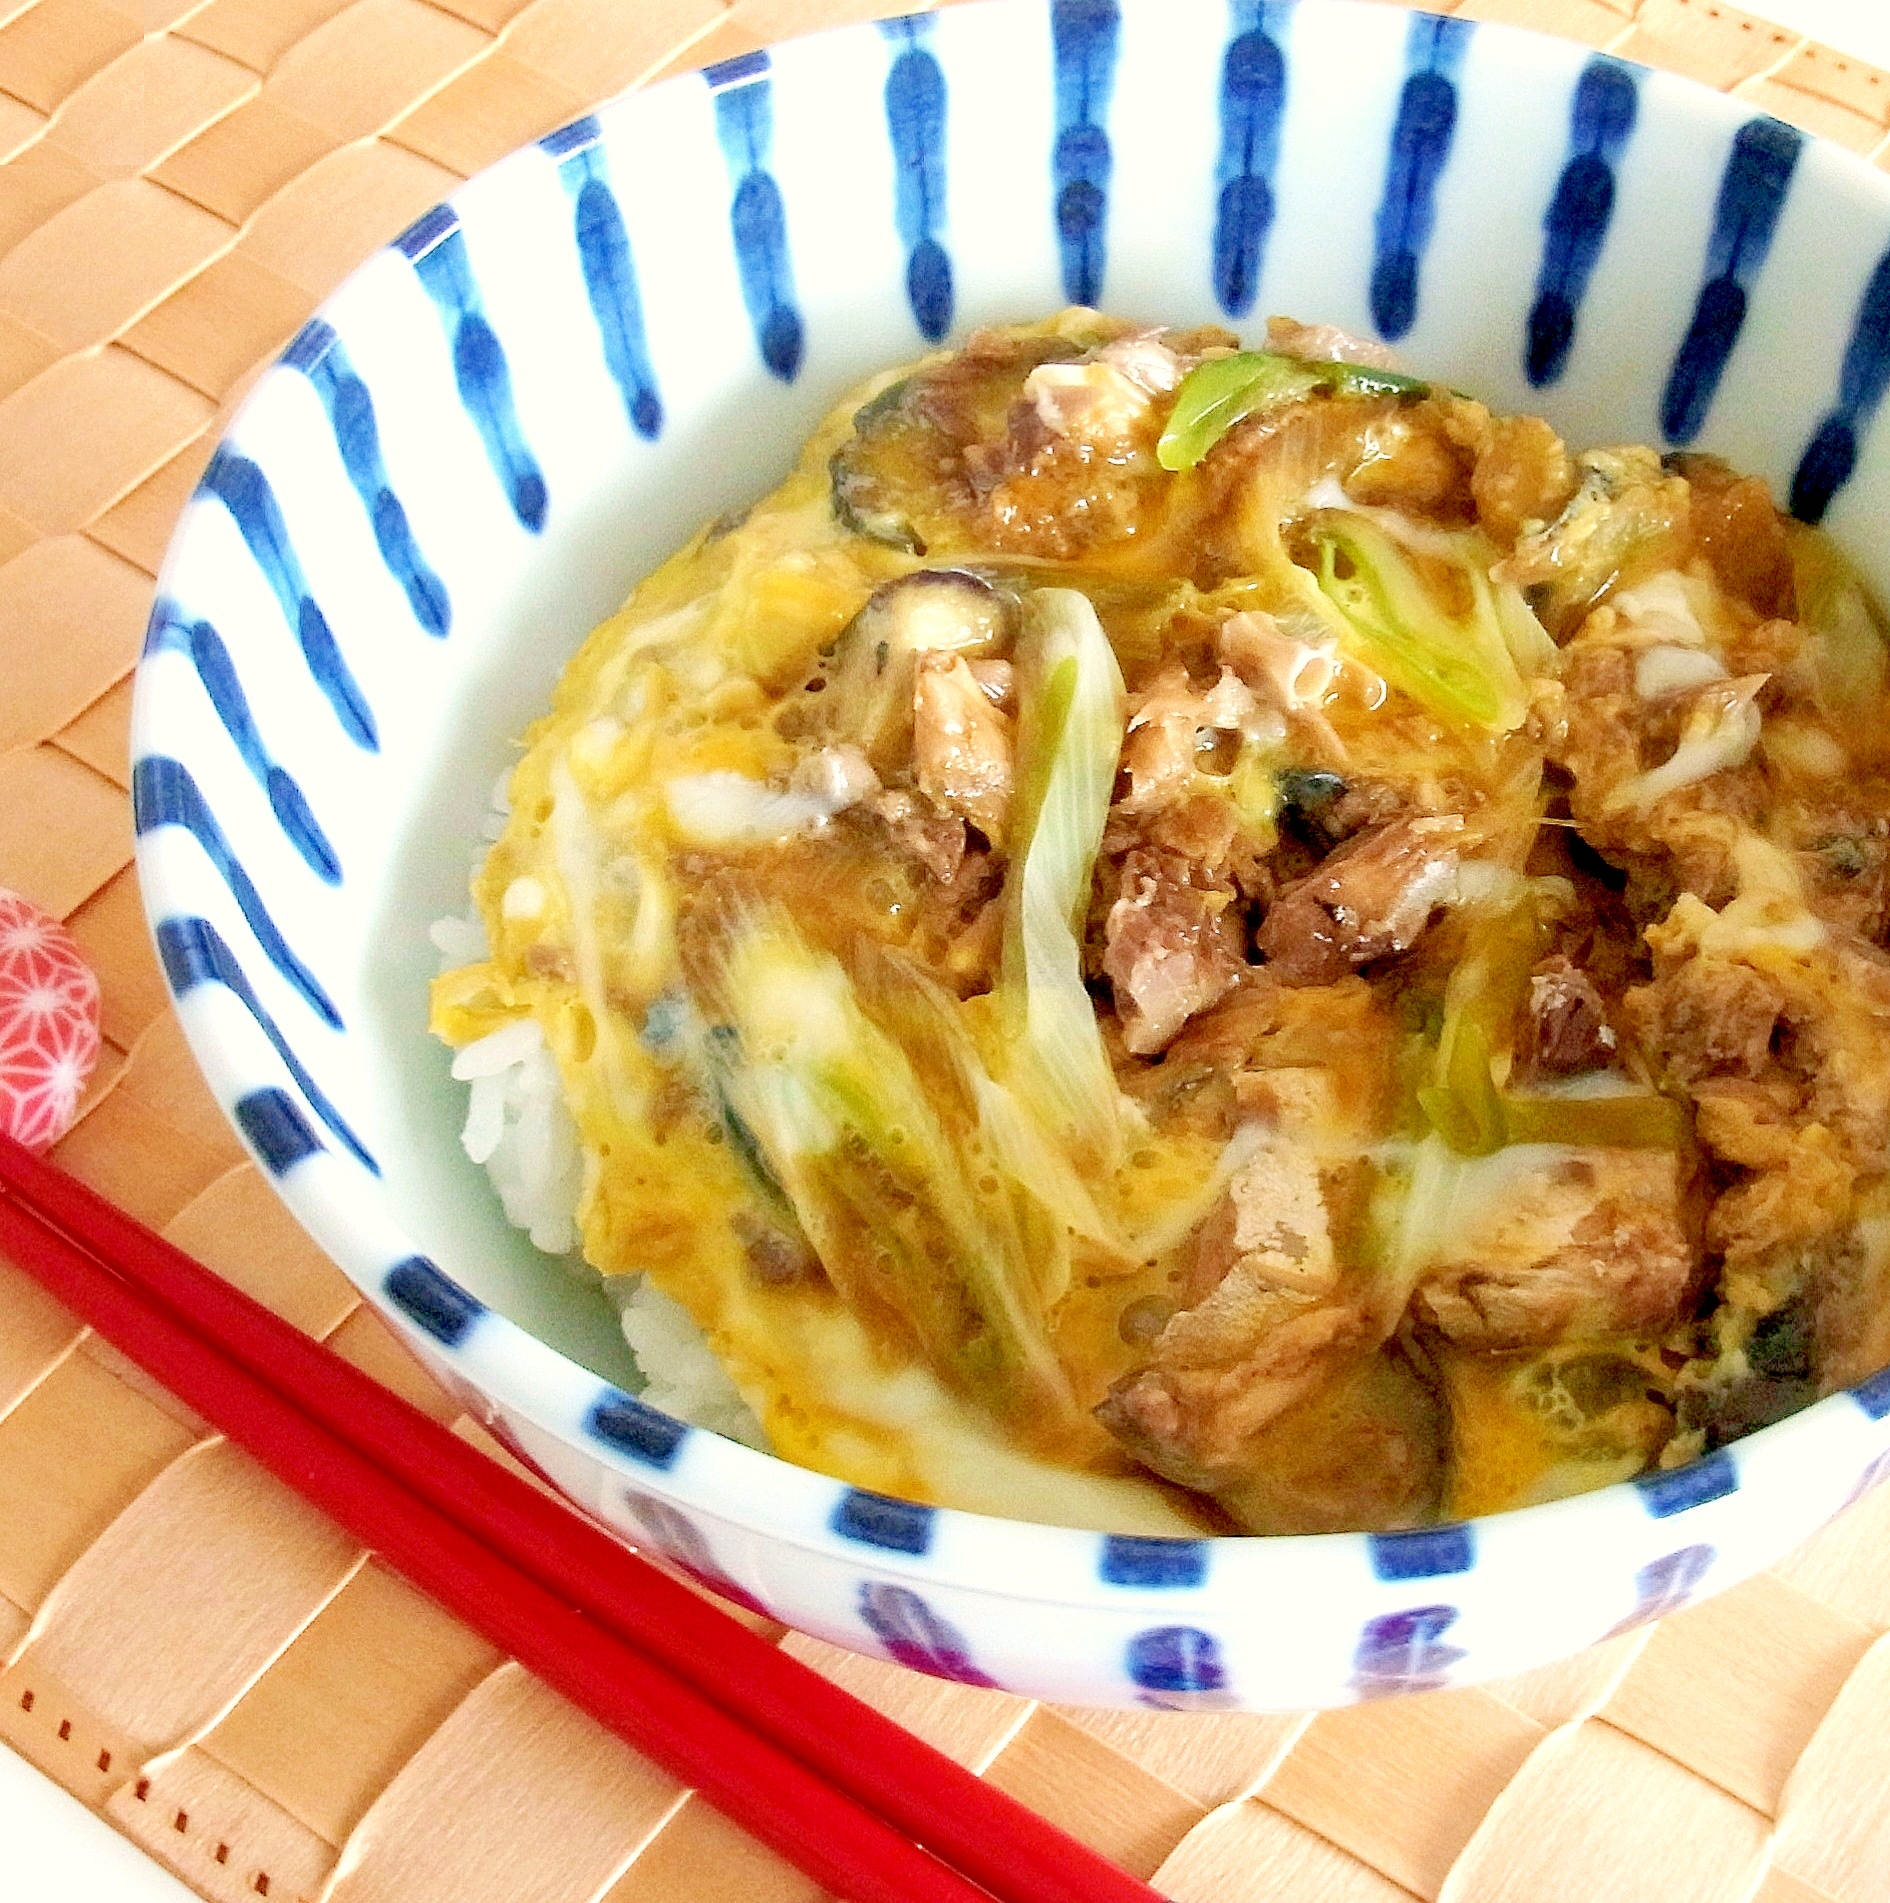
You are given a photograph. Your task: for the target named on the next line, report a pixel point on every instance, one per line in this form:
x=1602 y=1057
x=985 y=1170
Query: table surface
x=54 y=1850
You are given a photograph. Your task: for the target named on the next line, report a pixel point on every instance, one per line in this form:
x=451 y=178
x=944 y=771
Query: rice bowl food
x=1176 y=938
x=356 y=625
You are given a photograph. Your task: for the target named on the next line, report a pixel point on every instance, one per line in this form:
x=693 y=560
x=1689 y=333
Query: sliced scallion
x=1217 y=394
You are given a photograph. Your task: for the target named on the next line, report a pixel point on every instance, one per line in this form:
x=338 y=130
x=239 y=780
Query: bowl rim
x=792 y=1506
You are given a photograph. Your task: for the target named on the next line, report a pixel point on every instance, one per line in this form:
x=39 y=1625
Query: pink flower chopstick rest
x=49 y=1018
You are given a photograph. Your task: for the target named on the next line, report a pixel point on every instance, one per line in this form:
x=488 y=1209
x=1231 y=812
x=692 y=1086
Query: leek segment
x=1219 y=393
x=1848 y=655
x=1467 y=1111
x=1631 y=1121
x=1461 y=668
x=1006 y=1151
x=1073 y=715
x=1483 y=1004
x=903 y=1219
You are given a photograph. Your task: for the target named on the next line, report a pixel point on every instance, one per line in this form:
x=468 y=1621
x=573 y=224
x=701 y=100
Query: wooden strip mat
x=207 y=1662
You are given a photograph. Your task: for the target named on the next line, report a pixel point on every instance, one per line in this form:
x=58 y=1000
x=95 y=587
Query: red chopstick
x=837 y=1841
x=704 y=1662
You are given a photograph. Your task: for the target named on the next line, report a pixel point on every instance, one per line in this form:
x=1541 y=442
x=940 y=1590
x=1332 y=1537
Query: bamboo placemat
x=207 y=1662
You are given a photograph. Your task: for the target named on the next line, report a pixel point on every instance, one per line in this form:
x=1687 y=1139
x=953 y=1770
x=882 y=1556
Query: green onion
x=1217 y=394
x=999 y=1128
x=881 y=1183
x=1466 y=1111
x=1848 y=649
x=1482 y=1003
x=1627 y=1122
x=1072 y=712
x=1460 y=669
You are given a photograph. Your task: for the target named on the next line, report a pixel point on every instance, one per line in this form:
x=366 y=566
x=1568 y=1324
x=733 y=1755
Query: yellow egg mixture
x=1166 y=937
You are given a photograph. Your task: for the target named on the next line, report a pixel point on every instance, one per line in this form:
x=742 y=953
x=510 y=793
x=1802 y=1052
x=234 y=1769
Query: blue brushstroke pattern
x=1873 y=1394
x=1136 y=1559
x=874 y=1519
x=737 y=71
x=193 y=953
x=744 y=127
x=1831 y=454
x=432 y=1300
x=1600 y=123
x=915 y=123
x=1085 y=36
x=436 y=247
x=579 y=136
x=317 y=352
x=1253 y=103
x=1405 y=1652
x=164 y=794
x=1683 y=1488
x=610 y=279
x=635 y=1428
x=1424 y=1552
x=277 y=1131
x=244 y=490
x=1751 y=195
x=1420 y=148
x=201 y=643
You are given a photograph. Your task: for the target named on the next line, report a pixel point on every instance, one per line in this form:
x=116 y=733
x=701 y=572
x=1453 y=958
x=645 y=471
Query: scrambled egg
x=1169 y=938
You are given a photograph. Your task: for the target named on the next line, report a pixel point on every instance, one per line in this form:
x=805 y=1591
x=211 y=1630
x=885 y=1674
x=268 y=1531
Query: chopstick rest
x=49 y=1023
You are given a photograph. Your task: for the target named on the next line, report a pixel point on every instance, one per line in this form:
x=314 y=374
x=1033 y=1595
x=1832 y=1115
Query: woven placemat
x=206 y=1661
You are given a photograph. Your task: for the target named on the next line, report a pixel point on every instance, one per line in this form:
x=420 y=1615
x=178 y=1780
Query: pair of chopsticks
x=862 y=1806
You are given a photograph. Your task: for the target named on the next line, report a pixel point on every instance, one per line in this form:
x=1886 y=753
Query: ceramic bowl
x=512 y=411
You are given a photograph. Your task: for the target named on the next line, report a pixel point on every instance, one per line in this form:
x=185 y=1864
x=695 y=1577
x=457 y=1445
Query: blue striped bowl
x=516 y=408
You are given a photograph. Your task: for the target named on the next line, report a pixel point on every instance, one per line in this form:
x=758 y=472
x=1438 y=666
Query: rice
x=684 y=1377
x=519 y=1129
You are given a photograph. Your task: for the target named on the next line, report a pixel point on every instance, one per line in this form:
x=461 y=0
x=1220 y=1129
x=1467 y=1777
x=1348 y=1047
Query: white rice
x=519 y=1129
x=517 y=1126
x=684 y=1377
